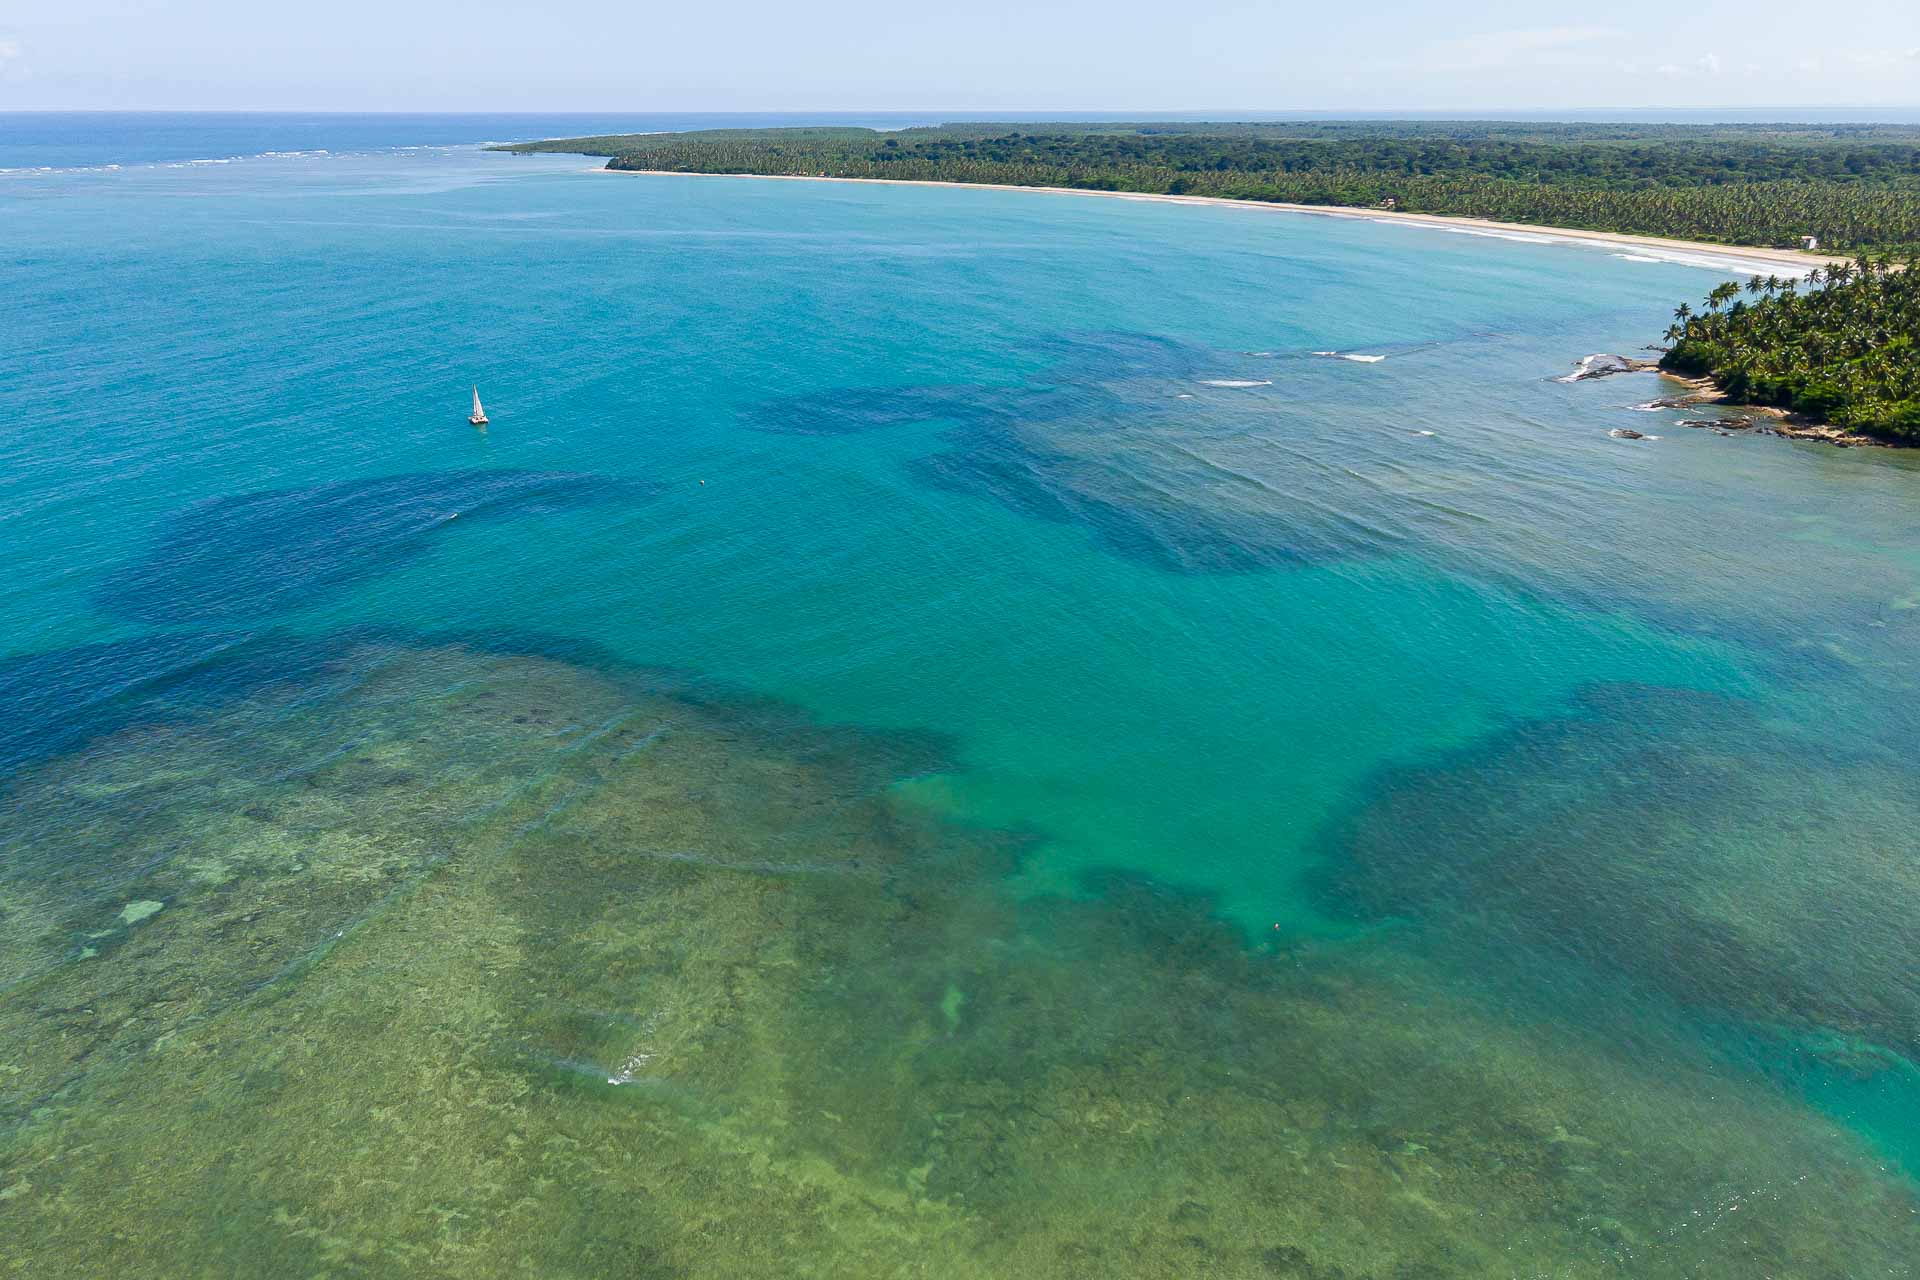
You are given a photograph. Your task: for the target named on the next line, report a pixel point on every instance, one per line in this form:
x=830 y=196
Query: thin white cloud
x=9 y=50
x=1711 y=63
x=1492 y=49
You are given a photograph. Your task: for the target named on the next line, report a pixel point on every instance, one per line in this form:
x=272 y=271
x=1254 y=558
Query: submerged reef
x=469 y=961
x=1102 y=438
x=1672 y=837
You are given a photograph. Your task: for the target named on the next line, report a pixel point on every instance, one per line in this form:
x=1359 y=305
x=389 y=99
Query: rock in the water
x=1626 y=433
x=1601 y=365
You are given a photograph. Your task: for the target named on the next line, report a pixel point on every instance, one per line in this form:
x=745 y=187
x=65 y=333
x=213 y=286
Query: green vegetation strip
x=1852 y=187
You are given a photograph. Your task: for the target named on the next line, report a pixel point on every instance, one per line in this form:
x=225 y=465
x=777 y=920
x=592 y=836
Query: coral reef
x=456 y=961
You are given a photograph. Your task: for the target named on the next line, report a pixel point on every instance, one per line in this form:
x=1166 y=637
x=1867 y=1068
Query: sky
x=872 y=55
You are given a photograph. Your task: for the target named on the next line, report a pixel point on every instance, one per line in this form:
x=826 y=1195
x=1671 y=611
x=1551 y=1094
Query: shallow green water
x=883 y=760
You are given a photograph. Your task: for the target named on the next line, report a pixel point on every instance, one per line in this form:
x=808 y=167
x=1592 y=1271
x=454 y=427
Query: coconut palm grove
x=1853 y=187
x=1841 y=348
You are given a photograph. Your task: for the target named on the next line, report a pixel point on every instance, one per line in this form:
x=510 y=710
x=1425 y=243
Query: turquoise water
x=1078 y=697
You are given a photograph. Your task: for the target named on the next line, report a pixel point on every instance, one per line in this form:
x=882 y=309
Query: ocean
x=936 y=732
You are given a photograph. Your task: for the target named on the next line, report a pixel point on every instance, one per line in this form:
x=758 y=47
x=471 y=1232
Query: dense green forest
x=1844 y=348
x=1855 y=187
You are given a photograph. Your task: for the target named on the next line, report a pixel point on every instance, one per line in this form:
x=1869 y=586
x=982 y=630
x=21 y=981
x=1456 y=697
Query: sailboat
x=479 y=418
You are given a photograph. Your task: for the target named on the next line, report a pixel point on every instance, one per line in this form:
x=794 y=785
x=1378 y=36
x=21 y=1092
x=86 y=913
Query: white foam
x=1357 y=359
x=1524 y=237
x=1234 y=382
x=1731 y=261
x=1423 y=433
x=630 y=1069
x=317 y=153
x=1586 y=363
x=1586 y=369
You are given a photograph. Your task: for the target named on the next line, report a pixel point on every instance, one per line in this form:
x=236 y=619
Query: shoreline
x=1784 y=423
x=1725 y=257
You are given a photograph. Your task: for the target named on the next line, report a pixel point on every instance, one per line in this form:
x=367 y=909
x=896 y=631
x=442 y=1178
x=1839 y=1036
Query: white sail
x=478 y=412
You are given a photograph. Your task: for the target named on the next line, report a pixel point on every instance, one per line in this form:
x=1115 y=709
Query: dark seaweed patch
x=1669 y=836
x=1126 y=516
x=1095 y=440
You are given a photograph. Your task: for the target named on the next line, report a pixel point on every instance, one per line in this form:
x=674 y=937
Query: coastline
x=1784 y=423
x=1738 y=258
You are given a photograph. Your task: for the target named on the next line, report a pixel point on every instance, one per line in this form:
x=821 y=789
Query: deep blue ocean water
x=1451 y=837
x=88 y=139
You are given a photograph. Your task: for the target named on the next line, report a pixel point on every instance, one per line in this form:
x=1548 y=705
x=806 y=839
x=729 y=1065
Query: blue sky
x=619 y=55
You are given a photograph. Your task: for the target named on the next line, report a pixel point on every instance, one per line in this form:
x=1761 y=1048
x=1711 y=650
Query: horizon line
x=1143 y=113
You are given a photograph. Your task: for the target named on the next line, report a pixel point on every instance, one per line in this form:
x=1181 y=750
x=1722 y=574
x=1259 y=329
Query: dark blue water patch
x=52 y=702
x=1124 y=513
x=1072 y=387
x=1669 y=837
x=252 y=555
x=1104 y=438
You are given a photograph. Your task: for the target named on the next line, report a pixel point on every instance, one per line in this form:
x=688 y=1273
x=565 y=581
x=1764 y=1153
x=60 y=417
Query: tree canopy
x=1840 y=347
x=1853 y=187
